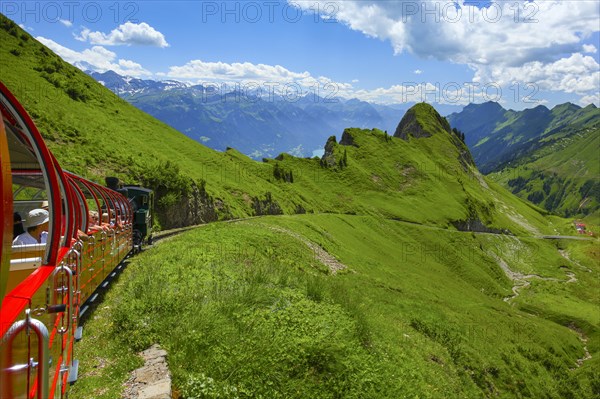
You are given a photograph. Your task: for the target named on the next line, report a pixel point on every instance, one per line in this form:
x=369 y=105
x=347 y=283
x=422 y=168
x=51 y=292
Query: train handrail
x=92 y=243
x=77 y=270
x=69 y=274
x=43 y=338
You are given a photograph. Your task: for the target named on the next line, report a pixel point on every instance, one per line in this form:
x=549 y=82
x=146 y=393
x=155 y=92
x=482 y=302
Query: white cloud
x=418 y=72
x=66 y=22
x=590 y=99
x=508 y=32
x=198 y=69
x=277 y=79
x=590 y=48
x=576 y=74
x=499 y=42
x=355 y=80
x=127 y=34
x=269 y=79
x=97 y=58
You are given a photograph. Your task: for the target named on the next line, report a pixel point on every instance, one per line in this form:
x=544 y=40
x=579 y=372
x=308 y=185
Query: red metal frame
x=46 y=161
x=6 y=210
x=67 y=202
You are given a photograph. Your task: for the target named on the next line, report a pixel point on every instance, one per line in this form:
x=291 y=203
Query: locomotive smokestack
x=112 y=183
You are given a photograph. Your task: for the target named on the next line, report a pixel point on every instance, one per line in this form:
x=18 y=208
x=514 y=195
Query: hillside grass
x=246 y=309
x=563 y=176
x=94 y=133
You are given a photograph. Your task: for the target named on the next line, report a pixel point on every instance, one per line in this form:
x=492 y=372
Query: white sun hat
x=37 y=217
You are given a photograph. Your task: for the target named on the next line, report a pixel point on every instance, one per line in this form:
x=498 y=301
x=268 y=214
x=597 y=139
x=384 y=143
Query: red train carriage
x=42 y=286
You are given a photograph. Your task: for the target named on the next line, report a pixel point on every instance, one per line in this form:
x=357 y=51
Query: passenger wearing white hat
x=37 y=228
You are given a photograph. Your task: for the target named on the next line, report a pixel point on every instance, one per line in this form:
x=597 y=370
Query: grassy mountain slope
x=94 y=133
x=562 y=175
x=418 y=307
x=546 y=156
x=411 y=312
x=497 y=136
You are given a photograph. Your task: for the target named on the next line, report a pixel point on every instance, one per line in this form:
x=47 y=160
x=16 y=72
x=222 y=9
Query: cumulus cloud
x=276 y=79
x=418 y=72
x=499 y=42
x=590 y=99
x=66 y=22
x=272 y=78
x=575 y=74
x=96 y=58
x=198 y=69
x=126 y=34
x=509 y=32
x=590 y=48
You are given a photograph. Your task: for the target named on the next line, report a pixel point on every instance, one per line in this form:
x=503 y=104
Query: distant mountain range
x=255 y=125
x=497 y=137
x=547 y=156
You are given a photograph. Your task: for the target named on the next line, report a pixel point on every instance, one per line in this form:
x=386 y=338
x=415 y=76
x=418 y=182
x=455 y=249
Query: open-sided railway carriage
x=43 y=286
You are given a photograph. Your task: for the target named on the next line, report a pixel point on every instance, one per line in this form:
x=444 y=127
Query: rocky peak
x=422 y=120
x=348 y=139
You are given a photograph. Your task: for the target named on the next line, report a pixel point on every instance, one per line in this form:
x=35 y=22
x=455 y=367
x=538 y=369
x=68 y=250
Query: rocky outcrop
x=409 y=126
x=153 y=380
x=423 y=120
x=194 y=207
x=420 y=121
x=328 y=159
x=348 y=139
x=266 y=206
x=477 y=226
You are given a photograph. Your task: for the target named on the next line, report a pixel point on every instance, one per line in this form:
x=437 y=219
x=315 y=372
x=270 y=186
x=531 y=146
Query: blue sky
x=520 y=53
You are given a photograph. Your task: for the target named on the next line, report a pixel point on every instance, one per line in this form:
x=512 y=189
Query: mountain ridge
x=220 y=116
x=424 y=304
x=543 y=155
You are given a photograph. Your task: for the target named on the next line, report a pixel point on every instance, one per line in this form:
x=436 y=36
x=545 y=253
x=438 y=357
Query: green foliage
x=245 y=310
x=281 y=174
x=561 y=176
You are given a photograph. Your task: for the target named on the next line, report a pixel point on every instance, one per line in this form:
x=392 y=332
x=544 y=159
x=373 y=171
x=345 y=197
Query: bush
x=77 y=91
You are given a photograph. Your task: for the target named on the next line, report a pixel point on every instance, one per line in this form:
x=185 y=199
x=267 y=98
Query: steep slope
x=94 y=133
x=546 y=156
x=498 y=137
x=257 y=121
x=478 y=120
x=561 y=173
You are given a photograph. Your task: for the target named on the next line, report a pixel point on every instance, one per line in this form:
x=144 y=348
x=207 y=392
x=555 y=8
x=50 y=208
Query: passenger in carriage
x=17 y=225
x=93 y=222
x=37 y=228
x=106 y=221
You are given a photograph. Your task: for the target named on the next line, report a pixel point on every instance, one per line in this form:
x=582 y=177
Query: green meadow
x=390 y=268
x=248 y=309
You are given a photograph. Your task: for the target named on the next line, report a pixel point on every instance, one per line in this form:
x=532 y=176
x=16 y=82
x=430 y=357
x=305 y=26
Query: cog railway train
x=45 y=288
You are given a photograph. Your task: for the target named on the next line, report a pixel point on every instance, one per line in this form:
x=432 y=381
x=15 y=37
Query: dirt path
x=565 y=255
x=584 y=340
x=520 y=280
x=153 y=380
x=323 y=256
